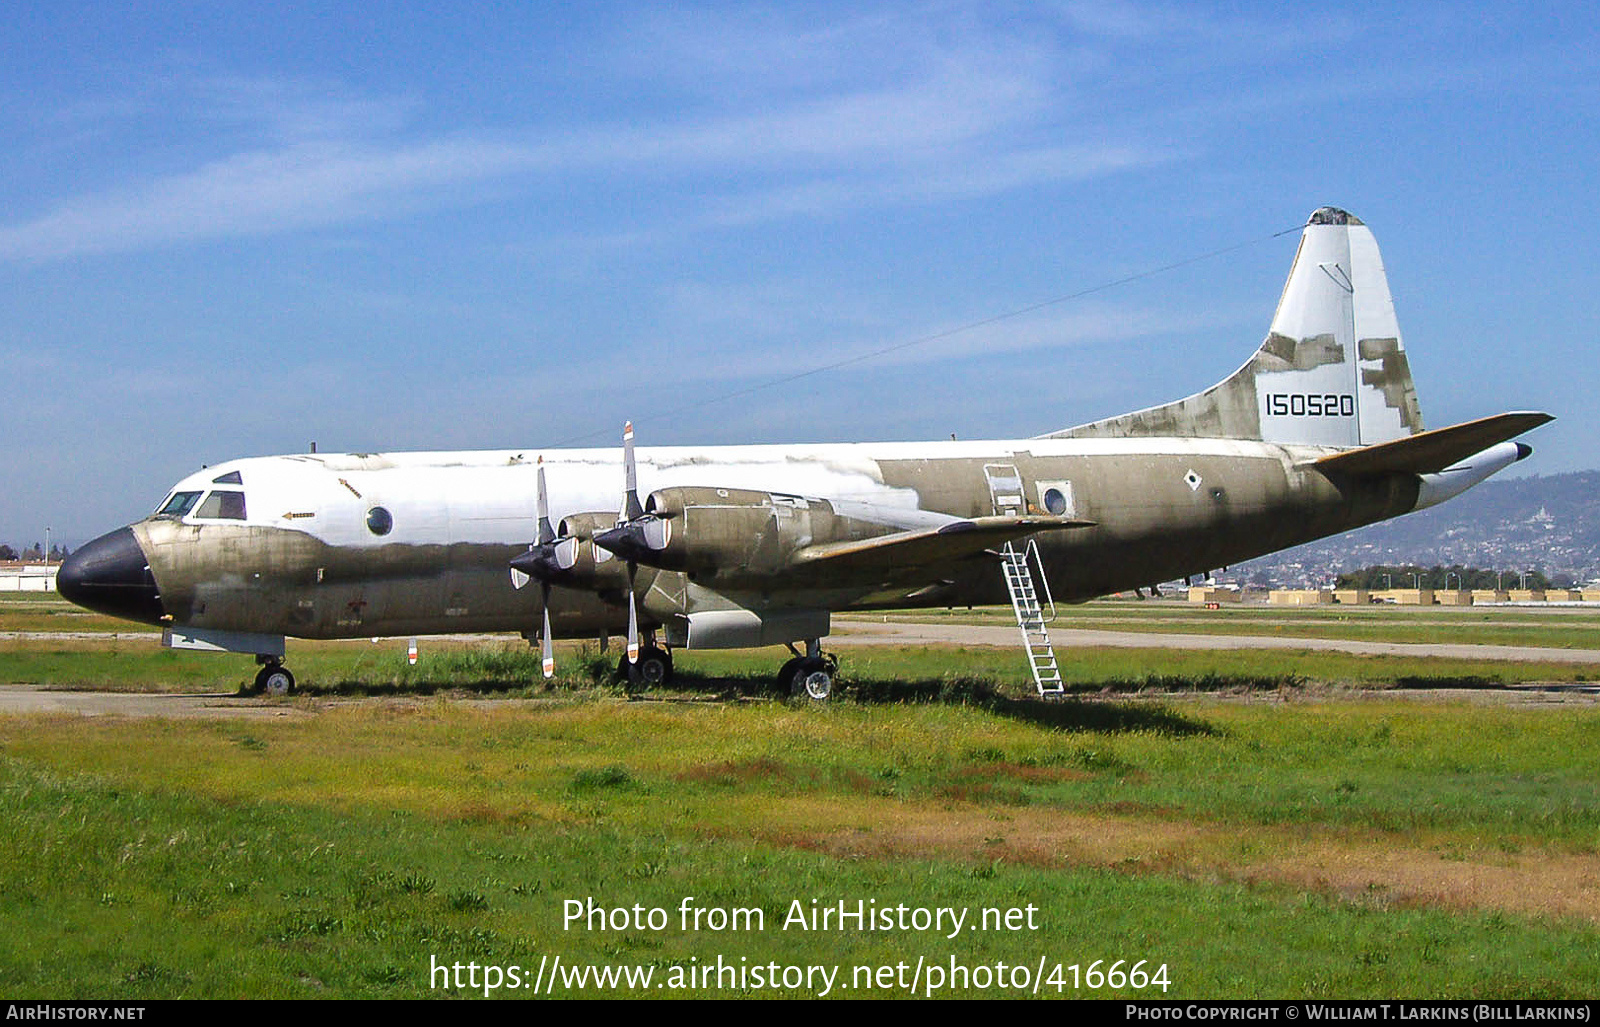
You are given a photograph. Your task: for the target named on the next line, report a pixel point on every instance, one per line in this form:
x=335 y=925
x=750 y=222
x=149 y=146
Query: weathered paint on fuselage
x=304 y=563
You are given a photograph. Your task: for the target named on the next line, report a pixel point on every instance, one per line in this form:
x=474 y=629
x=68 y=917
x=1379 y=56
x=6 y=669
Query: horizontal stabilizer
x=1432 y=451
x=926 y=546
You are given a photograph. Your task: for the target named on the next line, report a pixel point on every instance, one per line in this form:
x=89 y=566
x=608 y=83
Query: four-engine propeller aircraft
x=742 y=546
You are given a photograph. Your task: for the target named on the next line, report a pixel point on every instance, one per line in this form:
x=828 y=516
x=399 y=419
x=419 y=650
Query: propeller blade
x=631 y=511
x=546 y=652
x=547 y=534
x=633 y=621
x=544 y=557
x=630 y=494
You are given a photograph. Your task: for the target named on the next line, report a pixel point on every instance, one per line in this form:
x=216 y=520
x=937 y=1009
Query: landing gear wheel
x=653 y=670
x=786 y=673
x=812 y=679
x=274 y=679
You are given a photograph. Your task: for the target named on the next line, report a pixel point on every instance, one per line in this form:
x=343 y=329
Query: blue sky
x=233 y=229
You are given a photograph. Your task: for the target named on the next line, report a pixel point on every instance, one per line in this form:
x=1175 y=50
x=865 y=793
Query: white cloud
x=932 y=182
x=958 y=121
x=304 y=185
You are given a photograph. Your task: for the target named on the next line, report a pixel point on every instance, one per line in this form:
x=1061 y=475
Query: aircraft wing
x=1430 y=452
x=906 y=551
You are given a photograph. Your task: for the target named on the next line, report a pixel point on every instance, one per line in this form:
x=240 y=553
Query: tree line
x=34 y=553
x=1441 y=578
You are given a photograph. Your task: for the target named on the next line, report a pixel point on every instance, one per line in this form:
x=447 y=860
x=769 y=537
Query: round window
x=379 y=521
x=1055 y=502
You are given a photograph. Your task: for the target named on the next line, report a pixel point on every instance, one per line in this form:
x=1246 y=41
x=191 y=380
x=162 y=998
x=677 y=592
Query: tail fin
x=1332 y=371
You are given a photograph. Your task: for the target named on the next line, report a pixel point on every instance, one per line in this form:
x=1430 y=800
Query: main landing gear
x=273 y=678
x=809 y=677
x=654 y=668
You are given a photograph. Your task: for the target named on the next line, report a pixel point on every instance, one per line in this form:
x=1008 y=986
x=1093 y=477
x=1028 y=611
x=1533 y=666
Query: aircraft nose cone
x=110 y=575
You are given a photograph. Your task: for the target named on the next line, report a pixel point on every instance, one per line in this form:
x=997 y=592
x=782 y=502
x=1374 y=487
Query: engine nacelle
x=711 y=532
x=586 y=526
x=578 y=562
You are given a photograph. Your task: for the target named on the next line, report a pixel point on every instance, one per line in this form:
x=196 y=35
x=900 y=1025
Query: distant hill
x=1548 y=523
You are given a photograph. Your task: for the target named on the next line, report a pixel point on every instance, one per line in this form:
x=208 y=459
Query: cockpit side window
x=178 y=504
x=227 y=506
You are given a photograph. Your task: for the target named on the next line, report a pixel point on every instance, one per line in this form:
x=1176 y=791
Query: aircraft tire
x=653 y=670
x=812 y=680
x=274 y=679
x=785 y=677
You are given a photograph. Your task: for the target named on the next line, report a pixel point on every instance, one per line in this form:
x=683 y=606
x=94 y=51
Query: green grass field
x=1559 y=627
x=336 y=854
x=1262 y=824
x=507 y=667
x=45 y=640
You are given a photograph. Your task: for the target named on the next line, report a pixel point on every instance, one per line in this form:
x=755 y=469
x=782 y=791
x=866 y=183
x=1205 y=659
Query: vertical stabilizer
x=1332 y=371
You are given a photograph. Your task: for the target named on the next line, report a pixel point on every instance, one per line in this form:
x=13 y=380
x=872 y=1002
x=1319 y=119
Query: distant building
x=17 y=576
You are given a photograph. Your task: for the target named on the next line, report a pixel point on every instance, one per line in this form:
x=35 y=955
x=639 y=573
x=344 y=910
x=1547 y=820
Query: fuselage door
x=1005 y=488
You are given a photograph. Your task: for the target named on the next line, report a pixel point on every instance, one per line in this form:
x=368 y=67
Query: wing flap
x=1430 y=452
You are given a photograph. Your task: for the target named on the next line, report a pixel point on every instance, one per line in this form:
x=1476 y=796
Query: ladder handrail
x=1038 y=559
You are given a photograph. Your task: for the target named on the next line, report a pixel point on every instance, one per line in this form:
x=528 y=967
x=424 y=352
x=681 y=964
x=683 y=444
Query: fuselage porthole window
x=379 y=521
x=1055 y=501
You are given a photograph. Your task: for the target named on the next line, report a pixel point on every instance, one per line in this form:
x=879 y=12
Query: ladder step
x=1030 y=621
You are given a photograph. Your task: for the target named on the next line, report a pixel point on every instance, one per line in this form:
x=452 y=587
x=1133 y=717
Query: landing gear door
x=1005 y=488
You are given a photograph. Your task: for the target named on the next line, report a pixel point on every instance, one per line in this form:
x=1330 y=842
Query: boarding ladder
x=1017 y=564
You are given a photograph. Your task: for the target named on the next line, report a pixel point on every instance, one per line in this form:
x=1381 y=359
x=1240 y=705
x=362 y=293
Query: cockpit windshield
x=227 y=506
x=178 y=504
x=218 y=505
